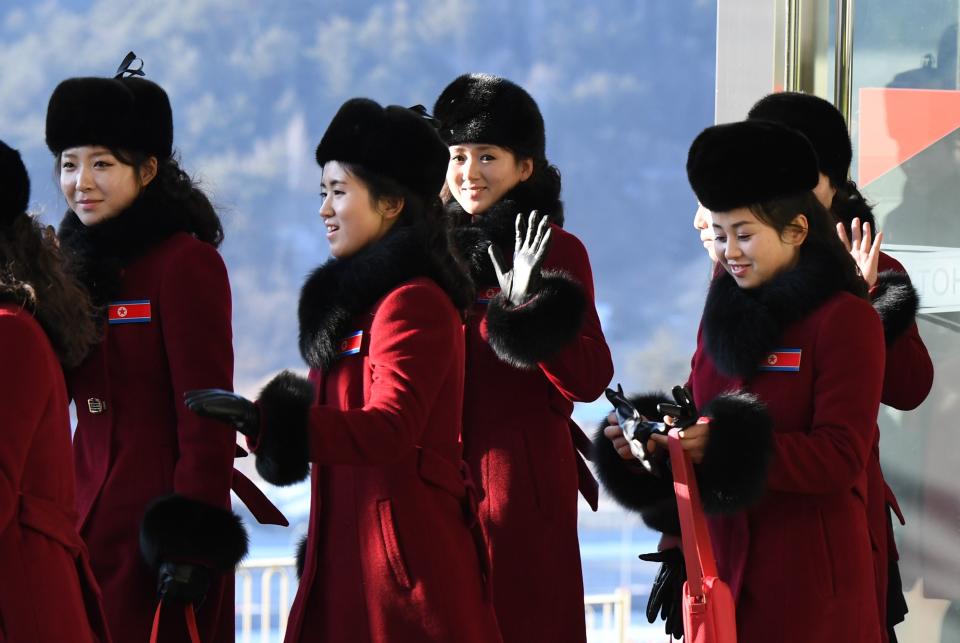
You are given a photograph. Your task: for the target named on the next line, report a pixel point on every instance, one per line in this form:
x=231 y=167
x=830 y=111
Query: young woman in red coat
x=534 y=347
x=908 y=376
x=48 y=592
x=153 y=479
x=788 y=373
x=393 y=553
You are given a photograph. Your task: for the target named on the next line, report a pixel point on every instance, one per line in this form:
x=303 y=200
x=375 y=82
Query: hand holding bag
x=709 y=613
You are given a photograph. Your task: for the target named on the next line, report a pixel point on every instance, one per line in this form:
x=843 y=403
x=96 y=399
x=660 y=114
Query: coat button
x=96 y=405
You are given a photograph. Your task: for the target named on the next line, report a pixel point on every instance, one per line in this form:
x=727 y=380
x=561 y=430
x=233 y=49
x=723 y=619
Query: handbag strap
x=697 y=548
x=188 y=614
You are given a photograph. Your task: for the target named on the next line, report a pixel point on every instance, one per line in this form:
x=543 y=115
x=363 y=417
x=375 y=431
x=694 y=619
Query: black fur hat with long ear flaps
x=481 y=108
x=396 y=142
x=14 y=185
x=741 y=164
x=125 y=112
x=819 y=121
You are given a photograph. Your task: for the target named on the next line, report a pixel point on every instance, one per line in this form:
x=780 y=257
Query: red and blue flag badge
x=129 y=312
x=486 y=294
x=350 y=345
x=782 y=359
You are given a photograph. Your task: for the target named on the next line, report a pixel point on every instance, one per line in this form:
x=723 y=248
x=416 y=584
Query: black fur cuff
x=524 y=335
x=179 y=529
x=896 y=301
x=627 y=482
x=663 y=516
x=301 y=557
x=646 y=404
x=283 y=449
x=733 y=472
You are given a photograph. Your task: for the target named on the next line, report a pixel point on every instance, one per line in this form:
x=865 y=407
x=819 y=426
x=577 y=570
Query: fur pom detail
x=301 y=556
x=627 y=482
x=524 y=335
x=283 y=449
x=733 y=472
x=176 y=528
x=896 y=301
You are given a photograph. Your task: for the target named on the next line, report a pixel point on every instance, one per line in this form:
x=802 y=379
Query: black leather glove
x=183 y=583
x=225 y=406
x=666 y=595
x=520 y=283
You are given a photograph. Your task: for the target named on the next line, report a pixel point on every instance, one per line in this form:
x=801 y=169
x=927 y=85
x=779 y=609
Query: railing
x=265 y=589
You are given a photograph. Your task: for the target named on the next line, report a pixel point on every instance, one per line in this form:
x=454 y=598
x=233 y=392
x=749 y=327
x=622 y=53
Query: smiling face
x=479 y=175
x=754 y=252
x=352 y=218
x=97 y=185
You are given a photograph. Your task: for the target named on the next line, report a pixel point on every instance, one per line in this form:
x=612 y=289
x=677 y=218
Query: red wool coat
x=518 y=441
x=800 y=560
x=908 y=377
x=136 y=441
x=47 y=591
x=389 y=557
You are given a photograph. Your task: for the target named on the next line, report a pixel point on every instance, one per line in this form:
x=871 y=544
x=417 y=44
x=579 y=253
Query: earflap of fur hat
x=482 y=108
x=741 y=164
x=119 y=113
x=819 y=121
x=393 y=141
x=14 y=184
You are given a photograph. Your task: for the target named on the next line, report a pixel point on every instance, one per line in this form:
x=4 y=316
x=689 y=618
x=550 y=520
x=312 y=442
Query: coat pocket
x=391 y=546
x=831 y=567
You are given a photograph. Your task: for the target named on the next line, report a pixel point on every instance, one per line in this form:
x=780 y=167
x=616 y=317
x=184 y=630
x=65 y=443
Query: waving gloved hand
x=235 y=410
x=666 y=595
x=520 y=283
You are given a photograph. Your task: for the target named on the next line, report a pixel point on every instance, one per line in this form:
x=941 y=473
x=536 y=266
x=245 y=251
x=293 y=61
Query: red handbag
x=709 y=614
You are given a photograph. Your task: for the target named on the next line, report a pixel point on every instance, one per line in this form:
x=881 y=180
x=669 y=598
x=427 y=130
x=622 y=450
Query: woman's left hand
x=864 y=250
x=693 y=439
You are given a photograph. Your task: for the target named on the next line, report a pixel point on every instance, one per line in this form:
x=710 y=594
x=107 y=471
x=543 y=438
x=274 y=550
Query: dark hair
x=848 y=203
x=33 y=276
x=426 y=217
x=821 y=234
x=173 y=184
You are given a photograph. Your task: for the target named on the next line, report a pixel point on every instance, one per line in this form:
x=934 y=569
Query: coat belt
x=457 y=481
x=52 y=520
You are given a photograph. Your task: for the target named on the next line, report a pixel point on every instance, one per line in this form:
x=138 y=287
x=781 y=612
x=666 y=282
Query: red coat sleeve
x=416 y=346
x=908 y=376
x=848 y=362
x=584 y=367
x=197 y=334
x=26 y=390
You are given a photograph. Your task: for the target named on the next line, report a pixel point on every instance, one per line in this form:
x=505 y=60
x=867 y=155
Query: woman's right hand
x=614 y=433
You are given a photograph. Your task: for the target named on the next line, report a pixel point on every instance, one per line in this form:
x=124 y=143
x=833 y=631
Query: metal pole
x=791 y=76
x=843 y=85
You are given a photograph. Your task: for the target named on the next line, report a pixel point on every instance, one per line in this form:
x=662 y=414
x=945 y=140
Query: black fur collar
x=473 y=234
x=97 y=254
x=339 y=290
x=741 y=326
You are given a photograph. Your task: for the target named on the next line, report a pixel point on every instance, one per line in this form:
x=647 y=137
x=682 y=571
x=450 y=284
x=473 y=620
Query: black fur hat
x=481 y=108
x=740 y=164
x=392 y=141
x=120 y=113
x=14 y=184
x=819 y=121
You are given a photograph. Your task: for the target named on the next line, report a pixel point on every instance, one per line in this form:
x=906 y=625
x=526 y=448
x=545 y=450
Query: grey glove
x=520 y=283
